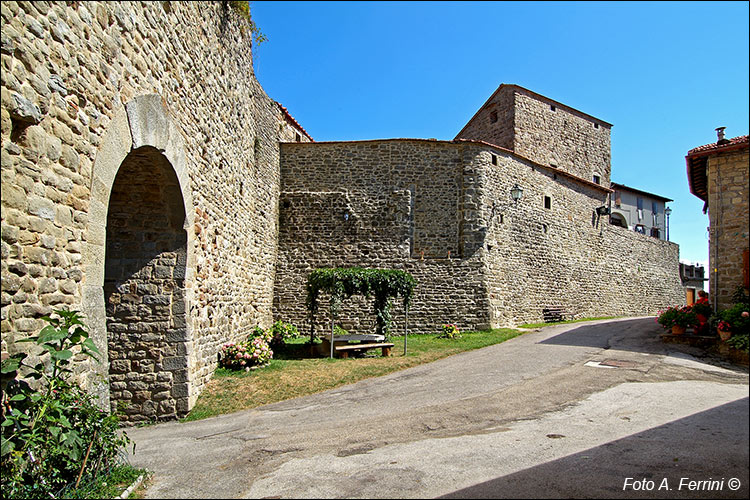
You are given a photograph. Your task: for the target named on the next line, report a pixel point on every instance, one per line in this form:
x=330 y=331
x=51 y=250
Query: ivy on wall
x=342 y=283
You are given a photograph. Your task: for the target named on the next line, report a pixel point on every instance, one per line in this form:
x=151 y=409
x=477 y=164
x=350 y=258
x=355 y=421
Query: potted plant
x=703 y=311
x=677 y=319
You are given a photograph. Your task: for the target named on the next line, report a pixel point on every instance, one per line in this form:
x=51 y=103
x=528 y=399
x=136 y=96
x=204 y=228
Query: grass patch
x=293 y=373
x=542 y=325
x=107 y=485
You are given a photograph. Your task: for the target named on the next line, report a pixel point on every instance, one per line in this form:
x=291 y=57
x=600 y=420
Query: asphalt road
x=601 y=409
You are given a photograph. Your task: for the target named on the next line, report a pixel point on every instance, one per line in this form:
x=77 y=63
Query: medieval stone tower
x=149 y=182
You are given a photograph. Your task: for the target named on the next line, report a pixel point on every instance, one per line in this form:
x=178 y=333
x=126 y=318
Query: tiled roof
x=696 y=164
x=294 y=122
x=715 y=146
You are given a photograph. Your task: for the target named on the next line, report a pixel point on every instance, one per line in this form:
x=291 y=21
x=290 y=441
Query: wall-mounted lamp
x=516 y=193
x=667 y=212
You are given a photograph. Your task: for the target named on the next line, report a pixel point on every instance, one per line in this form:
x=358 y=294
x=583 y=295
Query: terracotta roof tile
x=294 y=122
x=715 y=146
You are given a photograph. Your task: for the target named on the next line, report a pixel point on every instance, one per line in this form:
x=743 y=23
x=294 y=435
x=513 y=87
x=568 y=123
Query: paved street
x=586 y=410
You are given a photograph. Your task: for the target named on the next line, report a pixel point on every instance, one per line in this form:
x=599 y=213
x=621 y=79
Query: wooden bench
x=553 y=314
x=344 y=349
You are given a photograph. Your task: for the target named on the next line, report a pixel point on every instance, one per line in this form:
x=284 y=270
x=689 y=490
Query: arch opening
x=144 y=289
x=617 y=219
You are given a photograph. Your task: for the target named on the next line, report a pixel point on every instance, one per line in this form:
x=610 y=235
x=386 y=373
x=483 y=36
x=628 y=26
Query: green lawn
x=295 y=373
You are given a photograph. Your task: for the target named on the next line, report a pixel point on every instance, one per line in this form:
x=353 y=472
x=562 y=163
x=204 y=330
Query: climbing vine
x=342 y=283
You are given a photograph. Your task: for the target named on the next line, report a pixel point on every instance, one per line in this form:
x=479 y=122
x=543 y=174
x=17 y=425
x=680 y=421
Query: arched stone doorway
x=140 y=211
x=144 y=288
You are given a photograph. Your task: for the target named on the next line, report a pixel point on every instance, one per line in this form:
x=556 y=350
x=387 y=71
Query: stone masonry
x=149 y=182
x=729 y=222
x=441 y=210
x=139 y=184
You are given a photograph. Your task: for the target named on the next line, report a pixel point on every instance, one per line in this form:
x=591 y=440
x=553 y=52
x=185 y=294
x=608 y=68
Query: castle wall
x=407 y=207
x=69 y=71
x=514 y=259
x=729 y=219
x=565 y=255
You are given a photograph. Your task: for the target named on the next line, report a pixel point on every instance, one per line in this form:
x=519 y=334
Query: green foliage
x=243 y=9
x=282 y=332
x=342 y=283
x=449 y=331
x=738 y=318
x=739 y=342
x=47 y=433
x=338 y=331
x=741 y=296
x=677 y=316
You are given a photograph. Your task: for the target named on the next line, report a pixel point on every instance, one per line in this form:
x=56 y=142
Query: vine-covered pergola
x=341 y=283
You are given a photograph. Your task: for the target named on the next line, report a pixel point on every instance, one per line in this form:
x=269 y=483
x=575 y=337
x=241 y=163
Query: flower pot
x=678 y=330
x=725 y=335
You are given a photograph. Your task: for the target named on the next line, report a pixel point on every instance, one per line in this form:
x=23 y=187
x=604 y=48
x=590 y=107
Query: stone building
x=442 y=210
x=149 y=182
x=718 y=175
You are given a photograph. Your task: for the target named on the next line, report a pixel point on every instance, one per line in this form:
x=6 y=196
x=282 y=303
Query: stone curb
x=129 y=489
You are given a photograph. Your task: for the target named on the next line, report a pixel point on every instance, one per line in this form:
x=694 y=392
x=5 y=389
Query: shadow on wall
x=694 y=447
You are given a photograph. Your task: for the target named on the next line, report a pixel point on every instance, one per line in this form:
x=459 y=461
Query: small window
x=654 y=207
x=552 y=107
x=297 y=137
x=655 y=232
x=493 y=117
x=597 y=179
x=618 y=198
x=547 y=202
x=502 y=219
x=640 y=228
x=596 y=125
x=494 y=159
x=639 y=203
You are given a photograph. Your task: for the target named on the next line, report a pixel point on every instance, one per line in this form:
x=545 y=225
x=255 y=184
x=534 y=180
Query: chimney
x=720 y=135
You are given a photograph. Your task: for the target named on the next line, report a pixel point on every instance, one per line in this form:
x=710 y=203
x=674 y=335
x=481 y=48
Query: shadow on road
x=710 y=445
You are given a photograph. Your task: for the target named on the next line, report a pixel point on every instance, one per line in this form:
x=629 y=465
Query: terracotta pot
x=678 y=330
x=725 y=335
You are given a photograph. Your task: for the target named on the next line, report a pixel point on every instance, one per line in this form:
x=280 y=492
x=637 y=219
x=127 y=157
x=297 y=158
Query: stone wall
x=513 y=260
x=386 y=204
x=728 y=210
x=544 y=131
x=83 y=85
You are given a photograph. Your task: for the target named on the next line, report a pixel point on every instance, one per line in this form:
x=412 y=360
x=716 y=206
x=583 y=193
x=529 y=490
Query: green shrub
x=449 y=331
x=281 y=332
x=55 y=434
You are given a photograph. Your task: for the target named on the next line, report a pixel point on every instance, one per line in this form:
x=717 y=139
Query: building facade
x=639 y=211
x=718 y=175
x=693 y=279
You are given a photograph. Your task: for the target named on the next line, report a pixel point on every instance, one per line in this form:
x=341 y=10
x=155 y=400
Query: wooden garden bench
x=344 y=349
x=553 y=314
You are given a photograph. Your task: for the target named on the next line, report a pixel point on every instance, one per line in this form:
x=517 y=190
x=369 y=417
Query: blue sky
x=665 y=74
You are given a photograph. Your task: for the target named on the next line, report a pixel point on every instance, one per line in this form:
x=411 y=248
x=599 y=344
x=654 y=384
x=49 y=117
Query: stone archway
x=141 y=207
x=144 y=287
